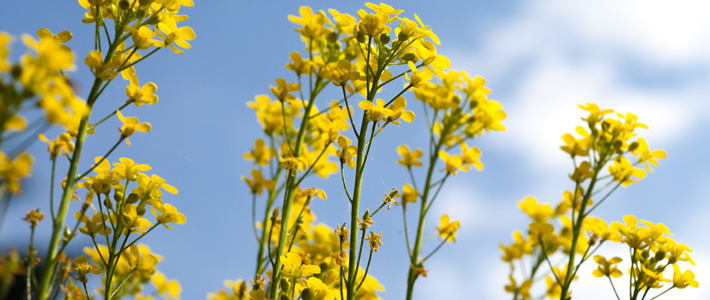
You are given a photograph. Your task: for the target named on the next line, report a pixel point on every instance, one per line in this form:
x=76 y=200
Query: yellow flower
x=409 y=194
x=169 y=214
x=141 y=260
x=313 y=24
x=294 y=163
x=453 y=163
x=375 y=112
x=128 y=169
x=141 y=95
x=622 y=170
x=61 y=37
x=342 y=74
x=170 y=34
x=169 y=288
x=299 y=65
x=95 y=224
x=398 y=111
x=606 y=268
x=419 y=78
x=62 y=145
x=257 y=184
x=12 y=171
x=409 y=159
x=282 y=90
x=595 y=114
x=577 y=147
x=131 y=125
x=260 y=154
x=347 y=153
x=293 y=266
x=683 y=280
x=471 y=156
x=646 y=156
x=599 y=228
x=447 y=230
x=523 y=290
x=82 y=268
x=133 y=222
x=538 y=212
x=100 y=69
x=142 y=37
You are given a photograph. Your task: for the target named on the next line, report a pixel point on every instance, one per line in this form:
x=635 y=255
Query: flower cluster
x=567 y=230
x=125 y=34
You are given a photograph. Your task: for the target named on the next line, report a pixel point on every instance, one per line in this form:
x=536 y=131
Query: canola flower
x=610 y=151
x=125 y=34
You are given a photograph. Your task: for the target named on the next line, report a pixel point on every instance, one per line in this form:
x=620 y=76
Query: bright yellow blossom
x=606 y=268
x=12 y=171
x=282 y=90
x=683 y=280
x=453 y=163
x=170 y=34
x=347 y=153
x=82 y=268
x=447 y=230
x=398 y=112
x=168 y=288
x=130 y=126
x=169 y=214
x=141 y=95
x=294 y=267
x=471 y=156
x=622 y=170
x=409 y=159
x=647 y=156
x=261 y=154
x=257 y=183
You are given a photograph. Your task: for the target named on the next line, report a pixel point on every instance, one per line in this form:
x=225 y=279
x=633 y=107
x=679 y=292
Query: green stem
x=289 y=196
x=411 y=276
x=576 y=230
x=670 y=288
x=437 y=248
x=260 y=259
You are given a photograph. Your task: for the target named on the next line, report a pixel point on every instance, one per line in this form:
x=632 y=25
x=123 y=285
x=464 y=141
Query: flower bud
x=124 y=4
x=285 y=286
x=306 y=294
x=332 y=37
x=384 y=38
x=633 y=146
x=409 y=57
x=402 y=36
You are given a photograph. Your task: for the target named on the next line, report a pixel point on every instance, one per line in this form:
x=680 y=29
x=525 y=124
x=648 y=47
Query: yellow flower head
x=347 y=153
x=169 y=214
x=141 y=95
x=282 y=90
x=293 y=266
x=374 y=239
x=12 y=171
x=683 y=280
x=131 y=125
x=447 y=230
x=82 y=268
x=257 y=183
x=409 y=158
x=606 y=268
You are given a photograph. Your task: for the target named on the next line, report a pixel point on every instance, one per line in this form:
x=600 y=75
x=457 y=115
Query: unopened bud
x=384 y=38
x=332 y=37
x=124 y=4
x=285 y=286
x=633 y=146
x=306 y=294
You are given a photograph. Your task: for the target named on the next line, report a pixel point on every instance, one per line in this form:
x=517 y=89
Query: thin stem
x=111 y=115
x=345 y=186
x=103 y=158
x=600 y=201
x=51 y=189
x=406 y=232
x=437 y=248
x=253 y=216
x=347 y=106
x=547 y=259
x=30 y=263
x=139 y=60
x=670 y=288
x=122 y=282
x=364 y=276
x=313 y=164
x=436 y=193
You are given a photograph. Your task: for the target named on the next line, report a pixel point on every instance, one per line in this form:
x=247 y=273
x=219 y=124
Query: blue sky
x=540 y=59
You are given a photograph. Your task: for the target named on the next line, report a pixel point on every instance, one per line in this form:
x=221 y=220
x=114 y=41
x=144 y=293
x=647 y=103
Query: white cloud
x=566 y=53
